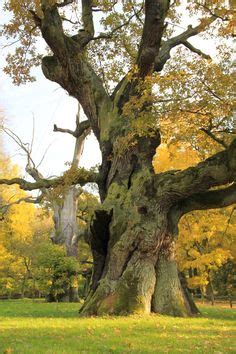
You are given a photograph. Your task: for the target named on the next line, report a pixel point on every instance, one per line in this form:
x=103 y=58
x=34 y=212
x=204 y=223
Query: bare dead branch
x=29 y=199
x=24 y=146
x=80 y=129
x=62 y=130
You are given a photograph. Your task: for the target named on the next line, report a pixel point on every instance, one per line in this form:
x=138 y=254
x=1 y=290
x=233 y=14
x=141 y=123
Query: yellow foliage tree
x=203 y=247
x=19 y=233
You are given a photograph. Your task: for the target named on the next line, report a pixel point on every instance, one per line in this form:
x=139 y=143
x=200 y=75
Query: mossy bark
x=134 y=274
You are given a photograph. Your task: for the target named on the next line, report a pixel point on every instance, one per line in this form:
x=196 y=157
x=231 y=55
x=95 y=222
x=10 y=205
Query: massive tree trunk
x=132 y=244
x=134 y=231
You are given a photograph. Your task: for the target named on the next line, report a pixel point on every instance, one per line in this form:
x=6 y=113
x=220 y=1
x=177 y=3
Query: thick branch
x=36 y=18
x=218 y=170
x=82 y=177
x=87 y=18
x=209 y=200
x=164 y=54
x=52 y=31
x=155 y=14
x=201 y=201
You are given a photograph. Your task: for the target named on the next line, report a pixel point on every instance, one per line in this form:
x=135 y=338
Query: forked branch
x=164 y=54
x=79 y=131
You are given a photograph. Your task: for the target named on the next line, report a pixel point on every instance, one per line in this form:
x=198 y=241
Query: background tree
x=133 y=232
x=63 y=199
x=31 y=265
x=203 y=248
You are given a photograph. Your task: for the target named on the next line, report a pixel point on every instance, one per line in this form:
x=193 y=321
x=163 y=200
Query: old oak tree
x=110 y=56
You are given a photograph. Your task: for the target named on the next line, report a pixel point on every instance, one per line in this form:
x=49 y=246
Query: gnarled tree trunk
x=132 y=244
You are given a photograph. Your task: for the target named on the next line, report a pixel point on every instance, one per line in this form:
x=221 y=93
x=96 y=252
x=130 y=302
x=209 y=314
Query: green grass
x=35 y=327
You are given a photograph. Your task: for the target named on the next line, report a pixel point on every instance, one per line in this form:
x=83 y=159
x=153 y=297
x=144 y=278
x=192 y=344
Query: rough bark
x=169 y=297
x=133 y=268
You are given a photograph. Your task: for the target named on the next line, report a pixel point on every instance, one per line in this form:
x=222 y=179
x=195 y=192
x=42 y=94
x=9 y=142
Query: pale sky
x=49 y=104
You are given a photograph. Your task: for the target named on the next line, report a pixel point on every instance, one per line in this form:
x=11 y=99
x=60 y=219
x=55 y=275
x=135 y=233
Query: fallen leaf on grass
x=117 y=331
x=8 y=350
x=162 y=335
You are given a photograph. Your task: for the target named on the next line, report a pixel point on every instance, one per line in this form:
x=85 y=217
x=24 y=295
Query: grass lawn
x=37 y=327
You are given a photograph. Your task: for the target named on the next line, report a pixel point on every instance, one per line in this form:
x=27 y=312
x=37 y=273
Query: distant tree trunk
x=210 y=290
x=65 y=215
x=66 y=232
x=188 y=294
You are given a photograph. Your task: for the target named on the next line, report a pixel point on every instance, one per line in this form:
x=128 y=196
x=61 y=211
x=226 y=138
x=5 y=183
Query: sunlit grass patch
x=35 y=327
